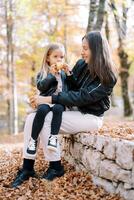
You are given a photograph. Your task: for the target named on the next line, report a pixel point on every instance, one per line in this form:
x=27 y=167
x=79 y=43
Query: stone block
x=109 y=170
x=99 y=142
x=125 y=154
x=91 y=160
x=107 y=185
x=87 y=139
x=110 y=149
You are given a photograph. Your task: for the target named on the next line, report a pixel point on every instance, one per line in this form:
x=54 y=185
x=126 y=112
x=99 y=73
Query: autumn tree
x=121 y=25
x=100 y=15
x=92 y=15
x=12 y=106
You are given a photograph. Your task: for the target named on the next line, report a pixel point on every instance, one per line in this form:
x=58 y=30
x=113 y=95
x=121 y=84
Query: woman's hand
x=34 y=101
x=66 y=69
x=32 y=93
x=37 y=100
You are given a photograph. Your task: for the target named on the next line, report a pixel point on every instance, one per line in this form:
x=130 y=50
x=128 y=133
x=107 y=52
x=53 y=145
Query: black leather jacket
x=88 y=94
x=48 y=85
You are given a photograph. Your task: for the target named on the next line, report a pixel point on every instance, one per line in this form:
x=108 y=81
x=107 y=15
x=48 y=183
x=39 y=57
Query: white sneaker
x=52 y=143
x=32 y=146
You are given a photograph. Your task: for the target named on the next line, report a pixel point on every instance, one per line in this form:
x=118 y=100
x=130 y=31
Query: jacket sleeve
x=72 y=79
x=46 y=83
x=84 y=96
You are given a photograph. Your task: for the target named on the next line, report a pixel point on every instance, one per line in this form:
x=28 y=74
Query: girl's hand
x=53 y=69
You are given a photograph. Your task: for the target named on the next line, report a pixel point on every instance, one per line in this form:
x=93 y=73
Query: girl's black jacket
x=79 y=89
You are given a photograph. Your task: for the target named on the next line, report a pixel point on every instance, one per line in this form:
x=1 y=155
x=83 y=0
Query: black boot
x=25 y=173
x=22 y=176
x=55 y=170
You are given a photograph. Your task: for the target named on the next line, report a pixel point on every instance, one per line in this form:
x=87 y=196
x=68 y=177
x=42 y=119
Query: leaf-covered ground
x=118 y=128
x=73 y=185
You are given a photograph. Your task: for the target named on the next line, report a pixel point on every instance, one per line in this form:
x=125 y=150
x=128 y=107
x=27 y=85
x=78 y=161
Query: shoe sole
x=16 y=186
x=61 y=175
x=52 y=148
x=31 y=154
x=58 y=176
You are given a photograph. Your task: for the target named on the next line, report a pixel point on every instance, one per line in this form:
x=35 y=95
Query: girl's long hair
x=45 y=64
x=101 y=64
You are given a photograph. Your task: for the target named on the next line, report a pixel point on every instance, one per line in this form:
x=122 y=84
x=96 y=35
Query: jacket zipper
x=95 y=88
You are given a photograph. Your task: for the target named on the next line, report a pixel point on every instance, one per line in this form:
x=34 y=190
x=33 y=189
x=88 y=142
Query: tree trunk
x=124 y=63
x=33 y=75
x=100 y=15
x=65 y=33
x=9 y=101
x=92 y=15
x=12 y=109
x=124 y=75
x=107 y=31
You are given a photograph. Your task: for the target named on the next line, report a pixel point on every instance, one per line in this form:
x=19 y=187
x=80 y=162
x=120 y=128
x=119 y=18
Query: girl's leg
x=57 y=111
x=38 y=122
x=36 y=127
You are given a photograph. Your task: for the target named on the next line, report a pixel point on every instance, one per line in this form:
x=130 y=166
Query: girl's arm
x=45 y=84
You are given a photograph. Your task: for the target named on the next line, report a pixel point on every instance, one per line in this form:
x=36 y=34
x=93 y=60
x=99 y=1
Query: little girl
x=49 y=81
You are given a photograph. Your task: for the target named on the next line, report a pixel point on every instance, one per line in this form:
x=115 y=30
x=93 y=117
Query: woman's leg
x=72 y=122
x=27 y=136
x=28 y=161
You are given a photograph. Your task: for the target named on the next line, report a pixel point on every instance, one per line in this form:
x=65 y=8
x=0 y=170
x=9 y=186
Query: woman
x=89 y=85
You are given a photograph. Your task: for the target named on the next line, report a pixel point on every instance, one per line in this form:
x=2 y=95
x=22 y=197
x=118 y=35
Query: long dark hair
x=101 y=64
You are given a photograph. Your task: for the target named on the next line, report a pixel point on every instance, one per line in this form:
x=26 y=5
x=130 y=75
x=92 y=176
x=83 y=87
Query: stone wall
x=110 y=161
